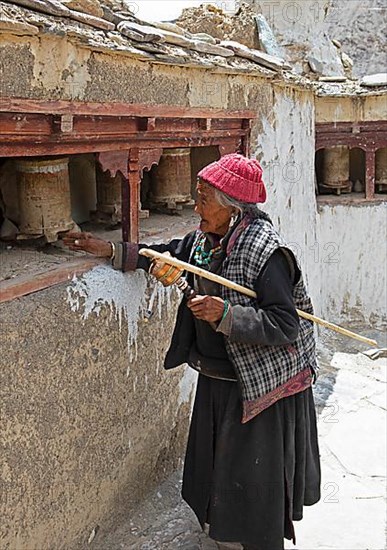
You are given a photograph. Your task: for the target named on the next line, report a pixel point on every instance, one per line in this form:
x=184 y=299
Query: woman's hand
x=86 y=242
x=207 y=308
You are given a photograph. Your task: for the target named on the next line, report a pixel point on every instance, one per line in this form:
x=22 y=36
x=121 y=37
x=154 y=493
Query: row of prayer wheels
x=45 y=196
x=336 y=170
x=44 y=192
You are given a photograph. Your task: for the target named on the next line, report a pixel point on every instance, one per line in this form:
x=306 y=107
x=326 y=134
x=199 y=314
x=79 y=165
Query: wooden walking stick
x=183 y=266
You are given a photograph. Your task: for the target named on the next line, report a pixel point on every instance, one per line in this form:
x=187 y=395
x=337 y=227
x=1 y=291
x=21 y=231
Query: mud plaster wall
x=90 y=420
x=48 y=67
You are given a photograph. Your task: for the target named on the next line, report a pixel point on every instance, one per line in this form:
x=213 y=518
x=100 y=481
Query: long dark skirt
x=249 y=481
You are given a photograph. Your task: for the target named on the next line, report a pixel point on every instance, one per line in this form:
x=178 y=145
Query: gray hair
x=240 y=208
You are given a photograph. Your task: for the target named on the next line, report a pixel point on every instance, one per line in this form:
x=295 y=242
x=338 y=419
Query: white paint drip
x=124 y=293
x=164 y=298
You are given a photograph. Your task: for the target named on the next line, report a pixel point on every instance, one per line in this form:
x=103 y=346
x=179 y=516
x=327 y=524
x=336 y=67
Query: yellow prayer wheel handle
x=165 y=273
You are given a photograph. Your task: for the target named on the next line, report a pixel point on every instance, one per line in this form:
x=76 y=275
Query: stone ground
x=351 y=401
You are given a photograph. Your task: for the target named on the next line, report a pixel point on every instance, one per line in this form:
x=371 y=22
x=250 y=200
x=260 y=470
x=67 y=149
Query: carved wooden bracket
x=148 y=158
x=114 y=161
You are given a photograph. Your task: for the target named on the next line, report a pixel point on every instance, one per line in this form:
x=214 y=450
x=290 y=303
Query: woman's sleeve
x=127 y=257
x=276 y=321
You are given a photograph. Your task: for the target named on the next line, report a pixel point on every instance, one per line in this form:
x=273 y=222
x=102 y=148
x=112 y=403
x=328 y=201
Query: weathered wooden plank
x=114 y=161
x=30 y=148
x=20 y=105
x=74 y=137
x=25 y=124
x=28 y=284
x=347 y=127
x=149 y=158
x=89 y=125
x=362 y=141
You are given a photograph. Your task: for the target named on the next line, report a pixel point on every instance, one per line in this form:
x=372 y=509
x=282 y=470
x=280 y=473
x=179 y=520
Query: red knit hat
x=237 y=176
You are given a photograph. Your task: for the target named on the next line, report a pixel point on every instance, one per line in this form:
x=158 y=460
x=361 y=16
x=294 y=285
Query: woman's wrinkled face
x=214 y=217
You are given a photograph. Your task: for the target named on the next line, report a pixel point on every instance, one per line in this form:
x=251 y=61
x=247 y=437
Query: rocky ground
x=351 y=401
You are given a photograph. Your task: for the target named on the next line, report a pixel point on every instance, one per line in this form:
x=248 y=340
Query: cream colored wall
x=351 y=109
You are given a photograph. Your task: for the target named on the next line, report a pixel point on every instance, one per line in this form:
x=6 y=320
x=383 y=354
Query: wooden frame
x=127 y=137
x=368 y=136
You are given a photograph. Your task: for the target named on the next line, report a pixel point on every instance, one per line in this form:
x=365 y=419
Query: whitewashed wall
x=341 y=249
x=286 y=150
x=354 y=277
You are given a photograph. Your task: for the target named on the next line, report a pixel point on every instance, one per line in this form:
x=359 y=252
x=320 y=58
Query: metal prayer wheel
x=336 y=169
x=171 y=182
x=171 y=275
x=166 y=274
x=44 y=198
x=109 y=198
x=381 y=169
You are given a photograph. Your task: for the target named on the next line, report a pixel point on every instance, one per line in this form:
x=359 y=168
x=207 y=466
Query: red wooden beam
x=27 y=284
x=18 y=126
x=33 y=148
x=352 y=127
x=20 y=105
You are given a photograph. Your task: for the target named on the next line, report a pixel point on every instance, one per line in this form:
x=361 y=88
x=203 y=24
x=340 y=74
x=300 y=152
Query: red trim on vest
x=297 y=384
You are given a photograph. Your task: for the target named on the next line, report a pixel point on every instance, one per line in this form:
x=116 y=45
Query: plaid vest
x=261 y=369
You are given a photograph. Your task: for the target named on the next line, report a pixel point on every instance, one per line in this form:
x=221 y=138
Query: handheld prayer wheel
x=44 y=197
x=169 y=275
x=171 y=181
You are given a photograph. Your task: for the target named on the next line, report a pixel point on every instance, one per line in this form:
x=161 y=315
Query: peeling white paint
x=51 y=56
x=126 y=296
x=341 y=249
x=123 y=293
x=163 y=298
x=286 y=149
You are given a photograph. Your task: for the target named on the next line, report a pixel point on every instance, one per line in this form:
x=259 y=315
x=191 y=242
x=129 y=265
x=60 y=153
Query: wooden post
x=133 y=195
x=245 y=141
x=370 y=174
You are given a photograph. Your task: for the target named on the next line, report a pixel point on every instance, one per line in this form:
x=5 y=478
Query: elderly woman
x=252 y=458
